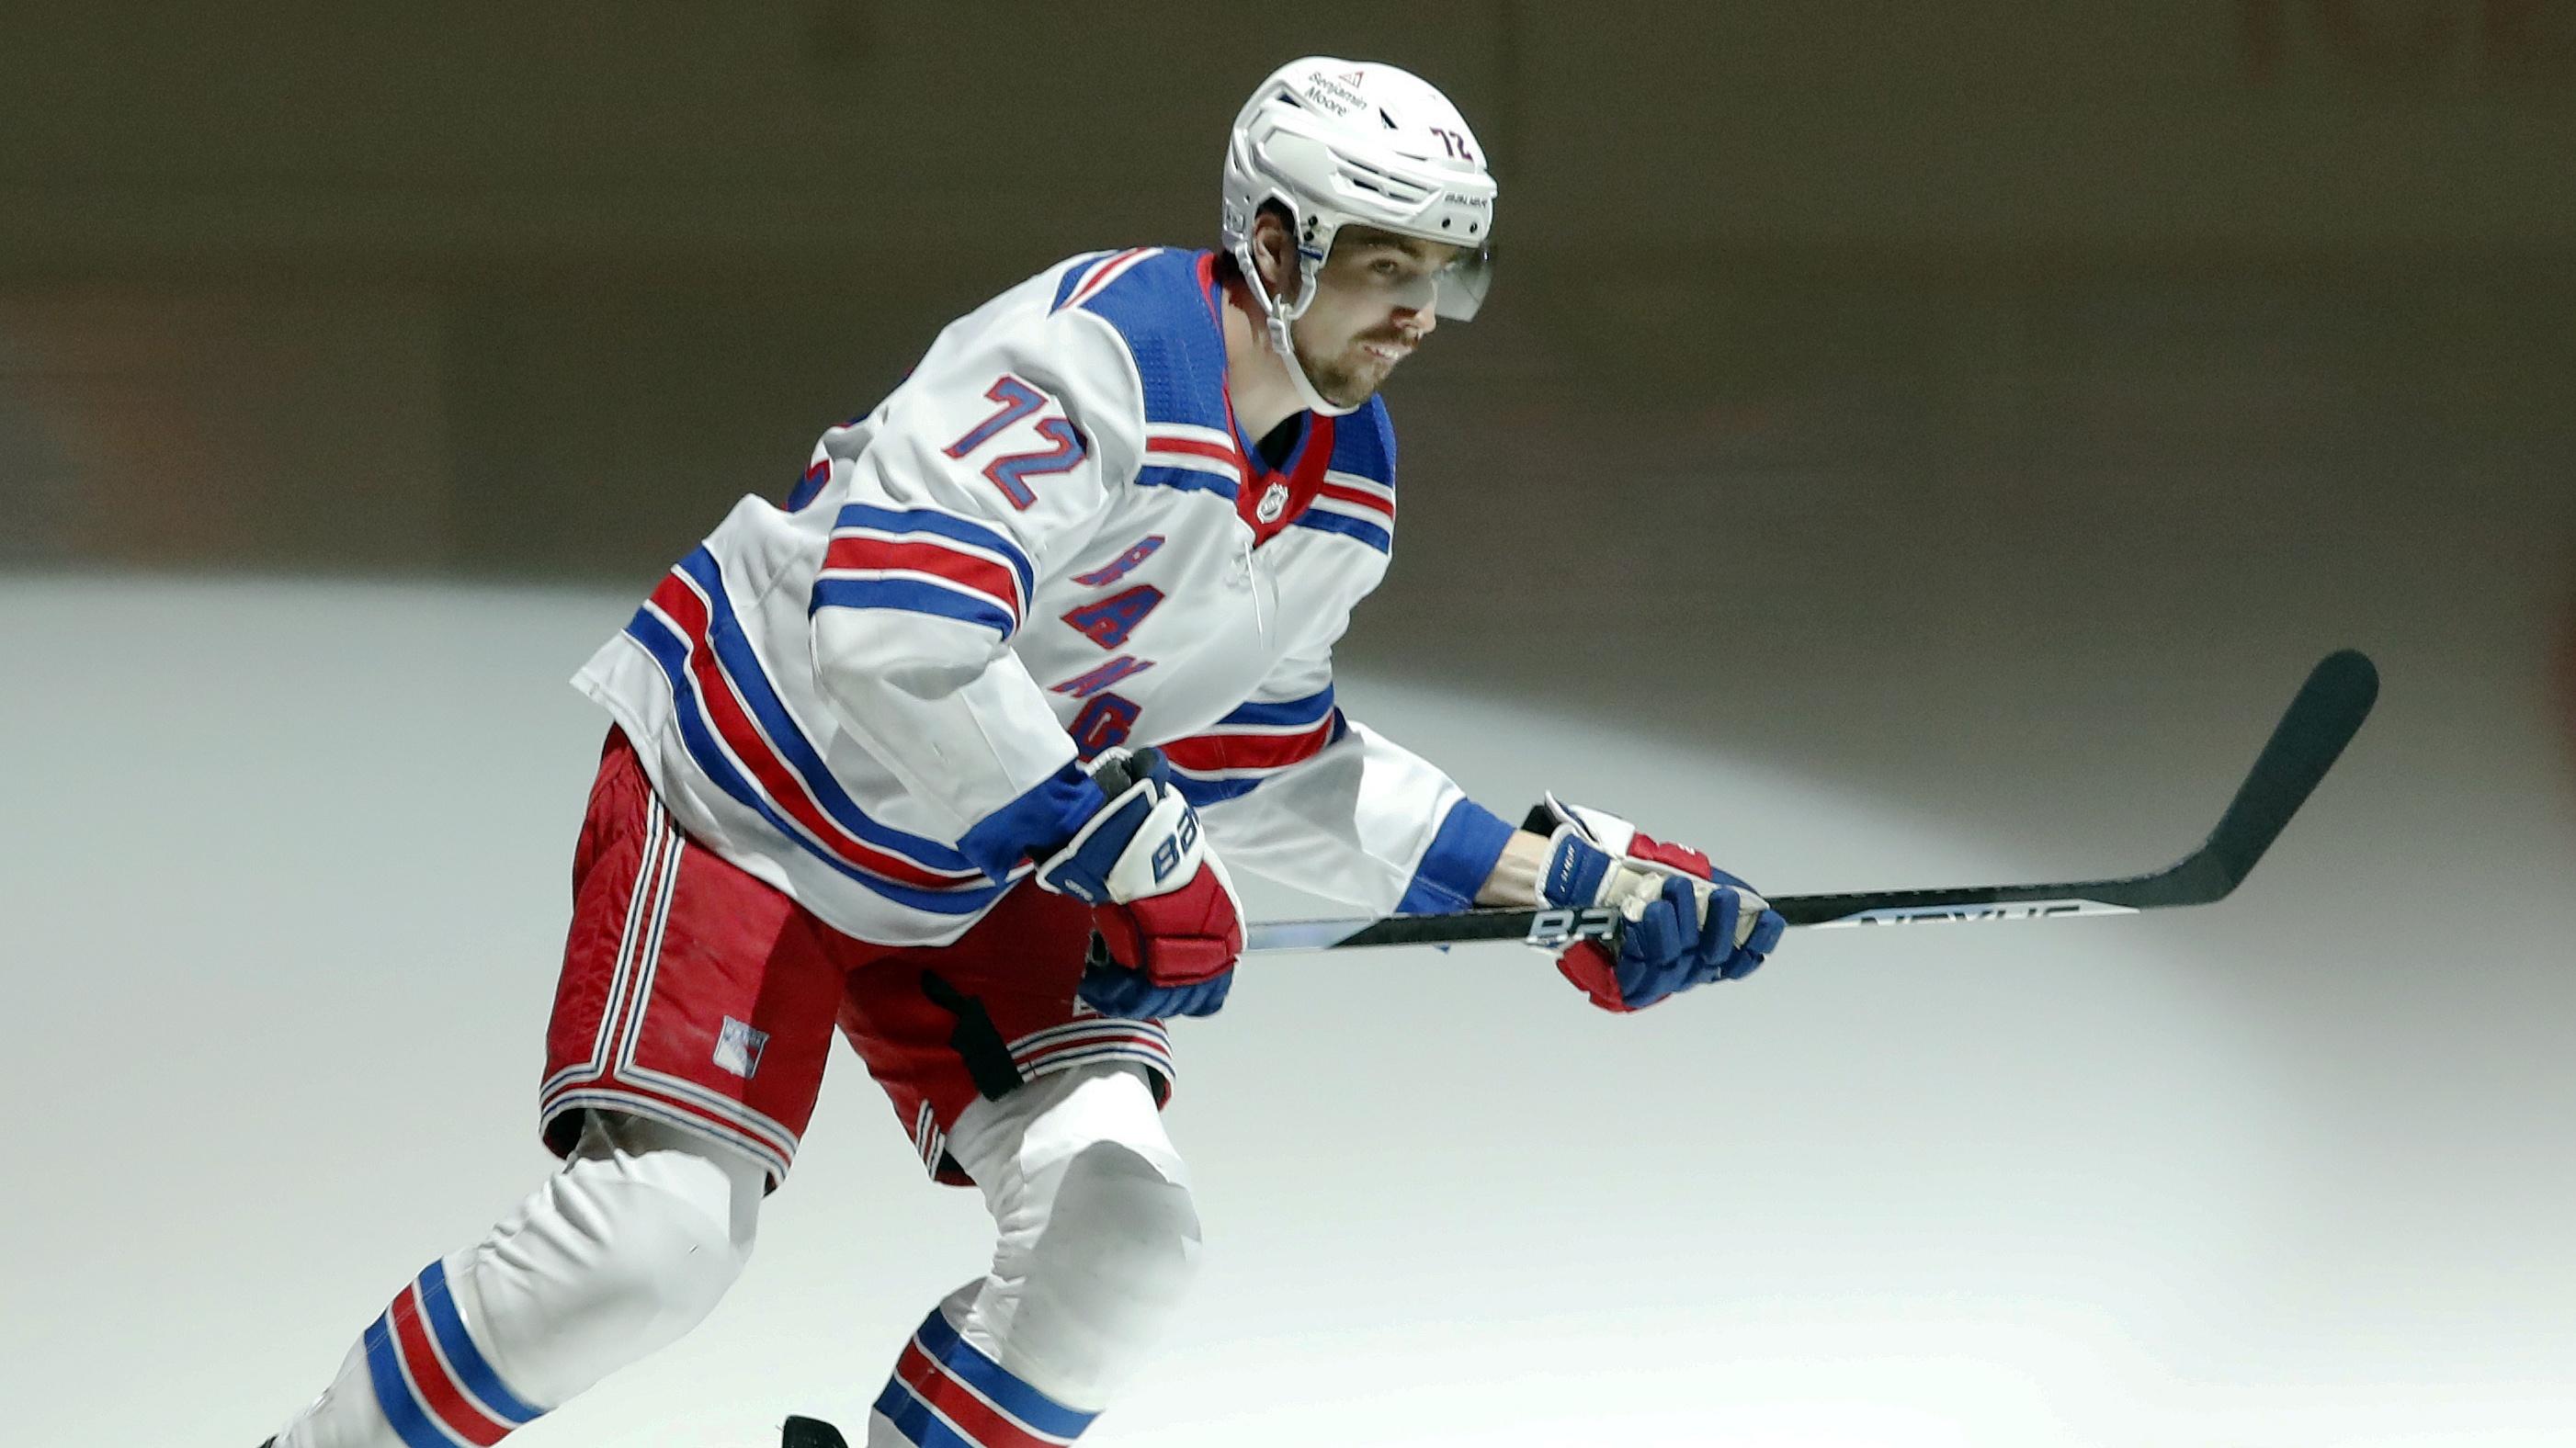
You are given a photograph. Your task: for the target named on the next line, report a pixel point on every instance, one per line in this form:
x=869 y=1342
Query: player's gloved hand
x=1688 y=922
x=1169 y=925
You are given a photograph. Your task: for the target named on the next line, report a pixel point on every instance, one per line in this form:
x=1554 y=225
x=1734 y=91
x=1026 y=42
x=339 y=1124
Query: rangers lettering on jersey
x=1051 y=538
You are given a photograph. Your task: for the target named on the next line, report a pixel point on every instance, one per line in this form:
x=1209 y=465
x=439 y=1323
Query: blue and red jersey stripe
x=741 y=736
x=1232 y=756
x=920 y=560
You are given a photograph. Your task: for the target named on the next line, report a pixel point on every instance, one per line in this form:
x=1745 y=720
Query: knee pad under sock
x=621 y=1252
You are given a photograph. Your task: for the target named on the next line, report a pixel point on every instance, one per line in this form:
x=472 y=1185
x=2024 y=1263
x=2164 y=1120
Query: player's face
x=1372 y=308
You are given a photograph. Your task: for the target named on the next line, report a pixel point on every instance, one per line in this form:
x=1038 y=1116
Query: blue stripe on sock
x=914 y=1420
x=393 y=1395
x=471 y=1367
x=988 y=1377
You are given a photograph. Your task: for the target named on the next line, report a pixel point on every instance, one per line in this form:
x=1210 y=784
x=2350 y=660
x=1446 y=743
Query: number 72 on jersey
x=1011 y=471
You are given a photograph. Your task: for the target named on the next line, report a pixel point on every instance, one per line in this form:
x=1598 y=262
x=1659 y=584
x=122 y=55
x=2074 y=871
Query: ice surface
x=286 y=883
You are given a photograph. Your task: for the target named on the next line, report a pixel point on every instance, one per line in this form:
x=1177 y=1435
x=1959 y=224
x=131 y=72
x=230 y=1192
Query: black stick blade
x=2328 y=711
x=811 y=1433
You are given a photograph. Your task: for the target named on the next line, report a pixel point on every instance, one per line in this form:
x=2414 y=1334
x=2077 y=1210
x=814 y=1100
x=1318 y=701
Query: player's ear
x=1273 y=252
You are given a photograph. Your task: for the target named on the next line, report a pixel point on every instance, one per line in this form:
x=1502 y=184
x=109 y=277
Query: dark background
x=1868 y=336
x=1956 y=372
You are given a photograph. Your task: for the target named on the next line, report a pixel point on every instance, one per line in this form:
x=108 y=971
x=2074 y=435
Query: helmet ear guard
x=1297 y=285
x=1280 y=314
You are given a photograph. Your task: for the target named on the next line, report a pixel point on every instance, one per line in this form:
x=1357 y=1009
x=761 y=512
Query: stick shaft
x=2320 y=721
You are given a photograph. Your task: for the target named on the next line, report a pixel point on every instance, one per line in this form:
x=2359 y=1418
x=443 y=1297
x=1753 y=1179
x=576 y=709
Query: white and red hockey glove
x=1169 y=925
x=1688 y=922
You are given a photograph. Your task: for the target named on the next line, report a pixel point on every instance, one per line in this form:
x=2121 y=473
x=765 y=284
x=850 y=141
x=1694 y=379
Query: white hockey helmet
x=1336 y=141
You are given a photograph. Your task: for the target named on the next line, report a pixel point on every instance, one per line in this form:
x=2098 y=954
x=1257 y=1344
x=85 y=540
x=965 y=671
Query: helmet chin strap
x=1276 y=319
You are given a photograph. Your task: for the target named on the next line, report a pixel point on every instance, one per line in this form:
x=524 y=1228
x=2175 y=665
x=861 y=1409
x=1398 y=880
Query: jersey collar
x=1268 y=500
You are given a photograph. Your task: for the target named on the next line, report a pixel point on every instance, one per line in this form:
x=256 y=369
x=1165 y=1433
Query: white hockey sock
x=624 y=1250
x=1097 y=1243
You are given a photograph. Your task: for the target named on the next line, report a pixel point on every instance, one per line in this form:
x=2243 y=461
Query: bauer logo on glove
x=1167 y=924
x=1687 y=922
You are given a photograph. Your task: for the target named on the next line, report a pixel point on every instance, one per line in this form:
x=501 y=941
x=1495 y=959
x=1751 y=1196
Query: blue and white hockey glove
x=1168 y=926
x=1688 y=921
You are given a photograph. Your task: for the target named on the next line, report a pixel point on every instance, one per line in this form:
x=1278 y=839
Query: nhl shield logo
x=1274 y=501
x=738 y=1047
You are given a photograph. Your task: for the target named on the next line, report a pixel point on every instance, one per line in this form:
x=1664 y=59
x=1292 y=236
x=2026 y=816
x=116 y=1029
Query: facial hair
x=1348 y=378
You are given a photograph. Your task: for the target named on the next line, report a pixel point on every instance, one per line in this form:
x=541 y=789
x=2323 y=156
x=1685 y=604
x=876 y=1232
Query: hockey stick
x=2328 y=711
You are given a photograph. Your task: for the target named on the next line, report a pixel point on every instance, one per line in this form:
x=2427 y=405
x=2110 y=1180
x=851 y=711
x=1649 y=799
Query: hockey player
x=871 y=770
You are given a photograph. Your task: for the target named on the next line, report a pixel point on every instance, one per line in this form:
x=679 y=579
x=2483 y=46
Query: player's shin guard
x=1079 y=1309
x=1098 y=1243
x=615 y=1256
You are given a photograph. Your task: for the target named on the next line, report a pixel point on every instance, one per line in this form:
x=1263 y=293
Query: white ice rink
x=285 y=883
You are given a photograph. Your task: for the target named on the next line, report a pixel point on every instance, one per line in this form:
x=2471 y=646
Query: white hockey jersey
x=1049 y=540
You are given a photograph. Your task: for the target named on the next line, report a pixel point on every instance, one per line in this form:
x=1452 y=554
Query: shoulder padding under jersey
x=1357 y=500
x=1155 y=298
x=1364 y=444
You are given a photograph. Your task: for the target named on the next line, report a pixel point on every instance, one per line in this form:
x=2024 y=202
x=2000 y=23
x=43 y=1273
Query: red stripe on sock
x=977 y=1419
x=438 y=1392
